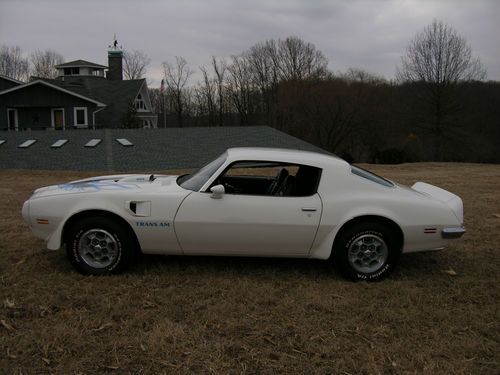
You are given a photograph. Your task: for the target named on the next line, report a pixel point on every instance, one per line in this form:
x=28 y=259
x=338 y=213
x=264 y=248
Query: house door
x=11 y=119
x=58 y=118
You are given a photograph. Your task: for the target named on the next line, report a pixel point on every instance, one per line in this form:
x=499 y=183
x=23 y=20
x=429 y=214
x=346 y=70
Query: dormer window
x=139 y=103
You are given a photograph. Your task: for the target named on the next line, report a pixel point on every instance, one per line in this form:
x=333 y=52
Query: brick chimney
x=115 y=64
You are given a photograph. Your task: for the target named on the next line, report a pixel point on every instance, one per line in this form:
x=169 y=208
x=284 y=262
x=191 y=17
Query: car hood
x=112 y=183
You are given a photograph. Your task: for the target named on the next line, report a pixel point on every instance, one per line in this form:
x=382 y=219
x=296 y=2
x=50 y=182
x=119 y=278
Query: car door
x=249 y=225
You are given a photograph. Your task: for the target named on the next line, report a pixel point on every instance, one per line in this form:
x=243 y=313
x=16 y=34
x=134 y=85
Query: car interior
x=269 y=179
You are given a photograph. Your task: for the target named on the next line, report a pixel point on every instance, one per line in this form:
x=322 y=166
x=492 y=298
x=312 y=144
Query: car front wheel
x=99 y=246
x=367 y=251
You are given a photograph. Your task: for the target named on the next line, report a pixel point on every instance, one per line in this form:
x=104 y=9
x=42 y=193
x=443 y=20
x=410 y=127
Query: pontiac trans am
x=248 y=202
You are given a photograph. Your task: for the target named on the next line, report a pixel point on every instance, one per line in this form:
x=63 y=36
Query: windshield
x=196 y=180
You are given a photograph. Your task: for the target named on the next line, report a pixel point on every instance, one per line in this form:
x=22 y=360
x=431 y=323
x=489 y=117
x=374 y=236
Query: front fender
x=154 y=230
x=54 y=241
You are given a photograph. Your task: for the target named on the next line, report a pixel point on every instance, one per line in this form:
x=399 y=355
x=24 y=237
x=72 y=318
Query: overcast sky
x=370 y=35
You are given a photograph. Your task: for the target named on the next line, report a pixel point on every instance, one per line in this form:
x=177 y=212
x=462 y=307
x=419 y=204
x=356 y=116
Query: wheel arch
x=370 y=218
x=74 y=218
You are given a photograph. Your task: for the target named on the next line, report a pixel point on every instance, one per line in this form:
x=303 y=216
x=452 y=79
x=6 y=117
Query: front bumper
x=453 y=232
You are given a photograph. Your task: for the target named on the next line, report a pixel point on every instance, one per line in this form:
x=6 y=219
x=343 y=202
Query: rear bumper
x=453 y=232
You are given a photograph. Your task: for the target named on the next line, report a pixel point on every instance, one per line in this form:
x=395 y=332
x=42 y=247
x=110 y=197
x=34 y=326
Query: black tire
x=366 y=251
x=116 y=252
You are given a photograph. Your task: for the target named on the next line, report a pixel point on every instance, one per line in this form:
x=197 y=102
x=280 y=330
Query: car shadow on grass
x=414 y=265
x=410 y=265
x=157 y=264
x=417 y=265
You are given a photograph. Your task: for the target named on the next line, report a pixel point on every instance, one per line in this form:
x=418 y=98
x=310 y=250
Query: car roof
x=286 y=155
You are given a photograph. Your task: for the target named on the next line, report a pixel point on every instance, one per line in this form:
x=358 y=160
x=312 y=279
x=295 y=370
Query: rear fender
x=452 y=201
x=323 y=245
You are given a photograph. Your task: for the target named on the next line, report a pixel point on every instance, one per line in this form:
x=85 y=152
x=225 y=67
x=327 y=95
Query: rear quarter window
x=370 y=176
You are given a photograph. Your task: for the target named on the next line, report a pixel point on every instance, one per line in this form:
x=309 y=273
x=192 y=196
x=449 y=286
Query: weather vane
x=115 y=43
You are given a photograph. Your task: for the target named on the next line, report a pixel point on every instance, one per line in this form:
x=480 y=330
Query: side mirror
x=217 y=191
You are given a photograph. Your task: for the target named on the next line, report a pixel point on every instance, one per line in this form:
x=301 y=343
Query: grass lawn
x=438 y=313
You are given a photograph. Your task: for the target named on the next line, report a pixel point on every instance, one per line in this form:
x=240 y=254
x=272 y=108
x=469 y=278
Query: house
x=82 y=96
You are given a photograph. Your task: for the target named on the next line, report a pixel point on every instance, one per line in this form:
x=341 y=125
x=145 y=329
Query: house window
x=12 y=119
x=80 y=116
x=71 y=71
x=139 y=103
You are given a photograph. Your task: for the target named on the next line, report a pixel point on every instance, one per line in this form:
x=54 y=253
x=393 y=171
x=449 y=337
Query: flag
x=162 y=86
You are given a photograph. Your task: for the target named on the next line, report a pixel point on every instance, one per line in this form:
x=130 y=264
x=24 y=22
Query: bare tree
x=262 y=65
x=353 y=75
x=275 y=61
x=213 y=91
x=13 y=64
x=205 y=95
x=219 y=71
x=44 y=62
x=264 y=75
x=435 y=61
x=439 y=55
x=199 y=105
x=240 y=87
x=135 y=64
x=323 y=112
x=176 y=77
x=295 y=59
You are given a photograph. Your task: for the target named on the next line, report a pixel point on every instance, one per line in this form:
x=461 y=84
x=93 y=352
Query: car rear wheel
x=99 y=246
x=366 y=251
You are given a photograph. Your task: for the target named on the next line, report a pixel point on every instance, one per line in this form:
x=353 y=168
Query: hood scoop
x=122 y=178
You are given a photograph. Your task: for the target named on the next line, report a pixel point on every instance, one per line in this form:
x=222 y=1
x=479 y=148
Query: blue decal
x=96 y=186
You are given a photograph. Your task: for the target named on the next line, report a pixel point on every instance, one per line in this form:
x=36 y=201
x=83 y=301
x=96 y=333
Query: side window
x=270 y=178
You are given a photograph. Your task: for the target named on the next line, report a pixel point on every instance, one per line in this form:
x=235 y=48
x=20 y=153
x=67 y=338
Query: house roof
x=153 y=149
x=116 y=94
x=56 y=87
x=11 y=79
x=79 y=64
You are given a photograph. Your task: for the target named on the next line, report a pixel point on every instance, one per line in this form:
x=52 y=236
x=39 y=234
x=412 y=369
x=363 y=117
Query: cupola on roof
x=80 y=64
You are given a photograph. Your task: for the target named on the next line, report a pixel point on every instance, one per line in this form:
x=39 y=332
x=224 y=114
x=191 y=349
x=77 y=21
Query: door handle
x=309 y=209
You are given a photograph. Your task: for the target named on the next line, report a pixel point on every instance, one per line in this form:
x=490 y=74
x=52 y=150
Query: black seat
x=287 y=188
x=277 y=182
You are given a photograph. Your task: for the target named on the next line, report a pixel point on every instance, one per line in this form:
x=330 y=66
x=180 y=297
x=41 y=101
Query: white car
x=248 y=202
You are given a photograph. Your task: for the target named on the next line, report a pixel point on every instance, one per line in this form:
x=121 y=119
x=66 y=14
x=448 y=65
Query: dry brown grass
x=231 y=315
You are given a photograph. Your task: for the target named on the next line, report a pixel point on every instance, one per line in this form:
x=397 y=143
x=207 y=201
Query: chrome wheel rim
x=98 y=248
x=368 y=253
